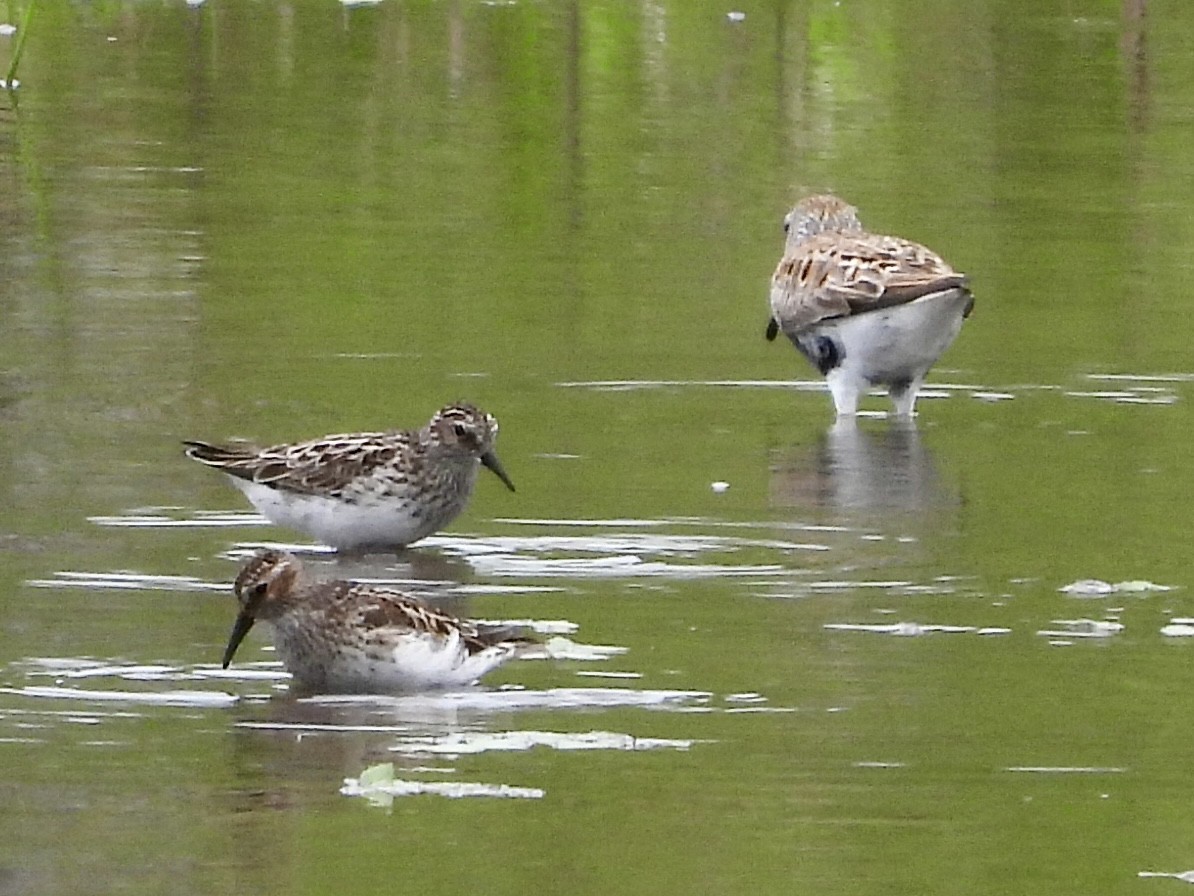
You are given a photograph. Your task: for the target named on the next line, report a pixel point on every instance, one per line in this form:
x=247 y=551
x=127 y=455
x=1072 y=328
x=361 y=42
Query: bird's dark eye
x=787 y=225
x=460 y=430
x=259 y=589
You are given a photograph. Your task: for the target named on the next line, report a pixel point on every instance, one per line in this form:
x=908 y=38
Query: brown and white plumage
x=865 y=309
x=345 y=637
x=360 y=490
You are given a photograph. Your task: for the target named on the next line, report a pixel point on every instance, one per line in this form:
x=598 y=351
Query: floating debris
x=1187 y=876
x=379 y=786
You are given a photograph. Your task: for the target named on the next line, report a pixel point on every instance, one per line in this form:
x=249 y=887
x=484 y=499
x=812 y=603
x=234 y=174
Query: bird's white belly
x=404 y=662
x=391 y=522
x=901 y=342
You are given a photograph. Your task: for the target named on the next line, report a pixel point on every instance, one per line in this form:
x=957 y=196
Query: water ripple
x=460 y=743
x=151 y=698
x=126 y=581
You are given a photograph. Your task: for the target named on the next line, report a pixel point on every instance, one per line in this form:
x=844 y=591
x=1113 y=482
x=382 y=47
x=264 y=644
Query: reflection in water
x=425 y=734
x=436 y=713
x=857 y=470
x=1133 y=44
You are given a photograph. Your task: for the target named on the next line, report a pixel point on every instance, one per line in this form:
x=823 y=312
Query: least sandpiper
x=867 y=310
x=342 y=637
x=366 y=490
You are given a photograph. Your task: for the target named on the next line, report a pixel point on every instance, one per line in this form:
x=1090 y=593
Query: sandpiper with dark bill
x=865 y=309
x=345 y=637
x=370 y=490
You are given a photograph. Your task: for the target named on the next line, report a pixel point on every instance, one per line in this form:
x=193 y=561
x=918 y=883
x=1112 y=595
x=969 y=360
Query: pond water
x=943 y=657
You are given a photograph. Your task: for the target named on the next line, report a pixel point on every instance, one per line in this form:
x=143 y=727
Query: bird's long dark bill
x=240 y=628
x=489 y=459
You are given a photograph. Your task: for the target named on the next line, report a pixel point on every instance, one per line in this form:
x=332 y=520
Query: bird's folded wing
x=319 y=466
x=376 y=608
x=837 y=275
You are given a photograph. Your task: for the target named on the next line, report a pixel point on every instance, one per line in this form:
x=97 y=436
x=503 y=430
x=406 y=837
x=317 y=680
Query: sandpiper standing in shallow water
x=867 y=310
x=366 y=490
x=342 y=637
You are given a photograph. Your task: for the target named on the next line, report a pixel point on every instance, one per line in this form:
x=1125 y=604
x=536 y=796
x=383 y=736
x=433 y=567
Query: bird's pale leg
x=845 y=390
x=903 y=396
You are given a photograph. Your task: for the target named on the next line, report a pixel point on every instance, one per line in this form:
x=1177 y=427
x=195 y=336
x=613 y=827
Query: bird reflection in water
x=861 y=471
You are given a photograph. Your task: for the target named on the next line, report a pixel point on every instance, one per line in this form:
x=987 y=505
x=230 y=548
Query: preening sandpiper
x=865 y=309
